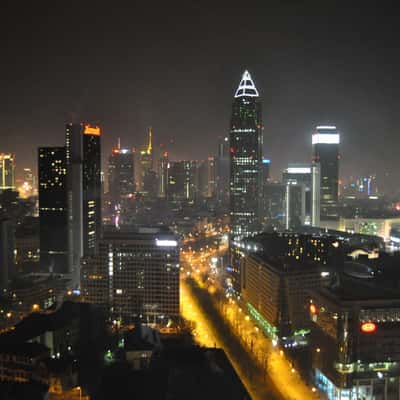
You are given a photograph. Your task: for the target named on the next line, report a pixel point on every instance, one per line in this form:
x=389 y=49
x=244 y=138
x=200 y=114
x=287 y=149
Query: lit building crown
x=246 y=87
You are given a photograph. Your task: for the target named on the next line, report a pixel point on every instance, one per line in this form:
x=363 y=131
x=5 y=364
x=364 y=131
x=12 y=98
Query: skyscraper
x=308 y=176
x=7 y=171
x=325 y=142
x=84 y=192
x=222 y=171
x=163 y=167
x=246 y=159
x=53 y=215
x=182 y=181
x=146 y=158
x=121 y=182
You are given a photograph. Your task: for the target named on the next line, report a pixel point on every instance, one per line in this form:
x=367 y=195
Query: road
x=211 y=330
x=266 y=371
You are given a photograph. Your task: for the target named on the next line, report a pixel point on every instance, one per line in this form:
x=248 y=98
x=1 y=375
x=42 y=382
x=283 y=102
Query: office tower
x=295 y=206
x=135 y=275
x=7 y=171
x=308 y=176
x=182 y=181
x=7 y=246
x=206 y=179
x=273 y=206
x=325 y=143
x=121 y=184
x=222 y=171
x=281 y=268
x=53 y=210
x=84 y=188
x=265 y=171
x=246 y=159
x=146 y=158
x=356 y=337
x=163 y=167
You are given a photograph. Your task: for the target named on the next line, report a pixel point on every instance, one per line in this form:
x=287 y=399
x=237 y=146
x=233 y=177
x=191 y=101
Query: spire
x=246 y=87
x=150 y=145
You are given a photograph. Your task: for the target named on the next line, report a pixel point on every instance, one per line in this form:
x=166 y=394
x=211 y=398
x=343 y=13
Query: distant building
x=135 y=275
x=83 y=155
x=325 y=145
x=7 y=247
x=222 y=171
x=163 y=167
x=53 y=209
x=121 y=181
x=356 y=339
x=246 y=159
x=206 y=180
x=182 y=181
x=265 y=170
x=309 y=177
x=146 y=158
x=7 y=171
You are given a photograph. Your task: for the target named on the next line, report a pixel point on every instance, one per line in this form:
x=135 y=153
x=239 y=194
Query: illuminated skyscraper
x=308 y=176
x=7 y=171
x=53 y=214
x=325 y=142
x=146 y=158
x=120 y=178
x=163 y=167
x=84 y=192
x=222 y=171
x=246 y=159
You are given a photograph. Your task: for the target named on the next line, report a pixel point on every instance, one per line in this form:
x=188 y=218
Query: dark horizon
x=176 y=67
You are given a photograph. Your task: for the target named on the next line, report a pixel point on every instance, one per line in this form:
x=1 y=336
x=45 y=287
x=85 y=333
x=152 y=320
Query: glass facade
x=326 y=153
x=246 y=160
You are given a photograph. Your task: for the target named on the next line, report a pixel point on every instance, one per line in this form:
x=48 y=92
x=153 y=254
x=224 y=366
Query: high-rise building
x=146 y=158
x=7 y=171
x=163 y=167
x=325 y=143
x=308 y=176
x=206 y=180
x=135 y=275
x=246 y=159
x=121 y=183
x=355 y=336
x=265 y=168
x=53 y=212
x=222 y=171
x=182 y=181
x=84 y=192
x=7 y=247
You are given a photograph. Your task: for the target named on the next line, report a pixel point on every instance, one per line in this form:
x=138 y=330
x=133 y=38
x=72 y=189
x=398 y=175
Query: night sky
x=175 y=67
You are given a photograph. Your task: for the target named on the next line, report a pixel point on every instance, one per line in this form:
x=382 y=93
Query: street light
x=80 y=392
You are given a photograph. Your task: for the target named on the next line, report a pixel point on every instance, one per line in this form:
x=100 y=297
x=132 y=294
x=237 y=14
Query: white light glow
x=298 y=170
x=326 y=127
x=166 y=243
x=325 y=138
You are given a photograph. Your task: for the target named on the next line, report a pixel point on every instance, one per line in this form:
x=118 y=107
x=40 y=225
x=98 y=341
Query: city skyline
x=327 y=78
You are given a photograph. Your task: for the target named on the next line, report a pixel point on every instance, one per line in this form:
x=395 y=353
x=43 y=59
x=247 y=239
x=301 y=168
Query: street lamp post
x=80 y=392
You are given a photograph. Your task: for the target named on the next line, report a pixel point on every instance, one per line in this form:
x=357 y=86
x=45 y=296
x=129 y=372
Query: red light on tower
x=368 y=327
x=313 y=309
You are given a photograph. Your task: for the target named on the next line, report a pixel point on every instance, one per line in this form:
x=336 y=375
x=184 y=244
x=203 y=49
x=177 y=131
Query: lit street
x=265 y=370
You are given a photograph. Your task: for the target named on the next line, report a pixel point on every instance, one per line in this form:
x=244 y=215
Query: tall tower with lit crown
x=245 y=159
x=83 y=161
x=325 y=144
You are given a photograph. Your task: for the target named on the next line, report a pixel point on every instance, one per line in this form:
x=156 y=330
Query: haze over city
x=175 y=66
